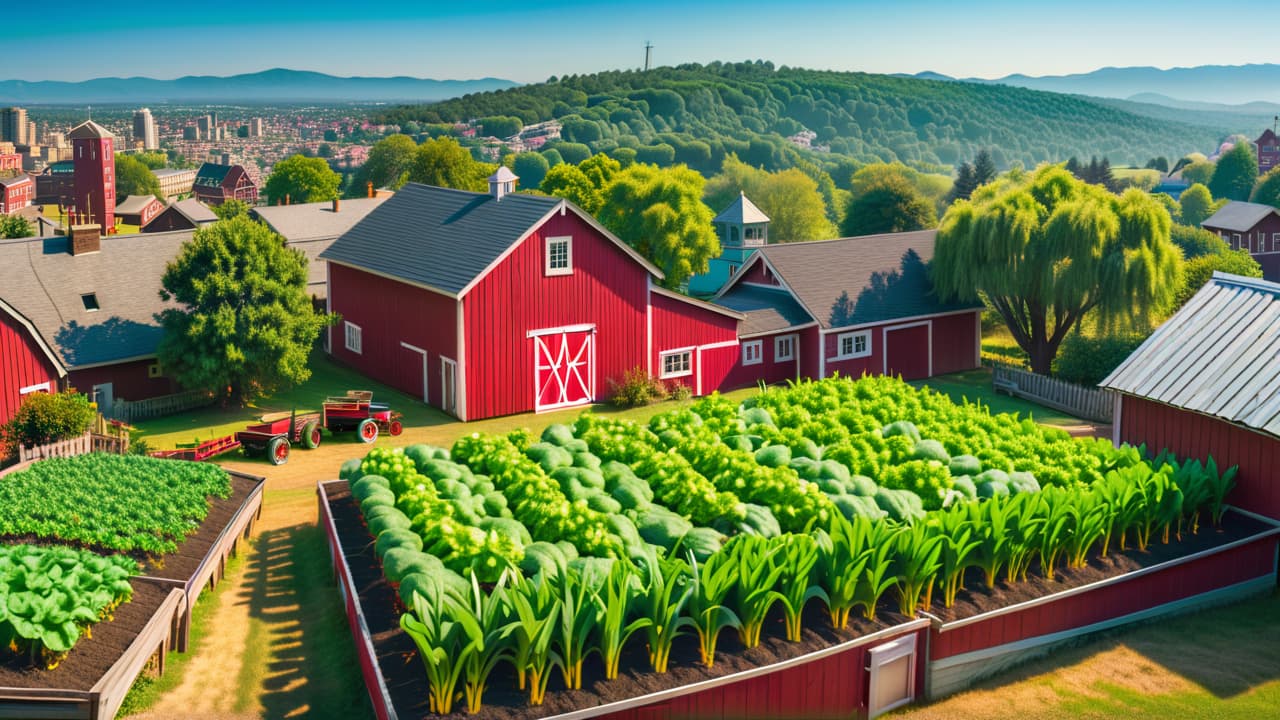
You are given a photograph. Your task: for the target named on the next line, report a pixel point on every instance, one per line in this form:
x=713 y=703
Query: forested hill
x=705 y=112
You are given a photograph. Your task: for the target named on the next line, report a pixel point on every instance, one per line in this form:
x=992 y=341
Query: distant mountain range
x=278 y=85
x=1236 y=85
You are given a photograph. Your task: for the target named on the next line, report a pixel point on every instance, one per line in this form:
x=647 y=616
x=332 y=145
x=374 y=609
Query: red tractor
x=357 y=411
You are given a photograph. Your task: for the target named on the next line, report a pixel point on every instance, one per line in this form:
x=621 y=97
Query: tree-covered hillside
x=699 y=114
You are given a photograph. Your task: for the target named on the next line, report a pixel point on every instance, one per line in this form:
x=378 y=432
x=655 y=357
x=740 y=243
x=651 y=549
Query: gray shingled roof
x=766 y=310
x=45 y=284
x=1218 y=355
x=438 y=237
x=859 y=280
x=133 y=204
x=1238 y=216
x=195 y=211
x=742 y=212
x=316 y=221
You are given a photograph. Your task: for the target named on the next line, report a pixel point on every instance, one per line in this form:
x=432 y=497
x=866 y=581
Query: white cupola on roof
x=502 y=182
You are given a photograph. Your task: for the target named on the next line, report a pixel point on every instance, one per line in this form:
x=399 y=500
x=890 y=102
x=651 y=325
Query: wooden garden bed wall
x=965 y=650
x=369 y=670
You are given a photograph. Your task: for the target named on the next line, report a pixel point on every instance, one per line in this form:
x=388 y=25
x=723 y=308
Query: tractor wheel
x=311 y=435
x=395 y=428
x=368 y=430
x=278 y=451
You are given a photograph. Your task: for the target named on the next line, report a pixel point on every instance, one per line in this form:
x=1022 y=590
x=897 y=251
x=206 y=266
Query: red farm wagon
x=357 y=412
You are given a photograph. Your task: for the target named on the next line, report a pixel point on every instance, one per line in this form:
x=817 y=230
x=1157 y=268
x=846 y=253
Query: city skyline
x=531 y=41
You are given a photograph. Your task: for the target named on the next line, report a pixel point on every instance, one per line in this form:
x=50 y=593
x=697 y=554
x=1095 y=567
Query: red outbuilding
x=848 y=306
x=500 y=303
x=1207 y=383
x=1252 y=227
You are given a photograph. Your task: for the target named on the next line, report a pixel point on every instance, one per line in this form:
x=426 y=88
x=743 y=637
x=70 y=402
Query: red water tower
x=95 y=176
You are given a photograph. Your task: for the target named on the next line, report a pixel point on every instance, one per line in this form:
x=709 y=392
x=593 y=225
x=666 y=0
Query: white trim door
x=564 y=367
x=886 y=347
x=449 y=386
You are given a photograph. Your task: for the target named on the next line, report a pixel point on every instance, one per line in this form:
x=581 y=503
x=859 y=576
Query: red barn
x=216 y=184
x=1207 y=383
x=1252 y=227
x=1268 y=147
x=853 y=306
x=499 y=303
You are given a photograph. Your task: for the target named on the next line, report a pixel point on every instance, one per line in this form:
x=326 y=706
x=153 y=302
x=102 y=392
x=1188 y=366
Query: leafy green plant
x=622 y=592
x=916 y=564
x=43 y=418
x=877 y=576
x=440 y=641
x=668 y=587
x=537 y=609
x=637 y=389
x=843 y=554
x=797 y=557
x=486 y=637
x=712 y=582
x=580 y=617
x=958 y=545
x=757 y=572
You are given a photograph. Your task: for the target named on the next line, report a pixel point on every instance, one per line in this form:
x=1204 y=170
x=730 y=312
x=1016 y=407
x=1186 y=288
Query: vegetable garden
x=855 y=497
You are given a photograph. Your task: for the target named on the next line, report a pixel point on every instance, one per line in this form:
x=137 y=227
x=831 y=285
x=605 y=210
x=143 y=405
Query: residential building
x=10 y=161
x=1252 y=227
x=138 y=210
x=312 y=228
x=56 y=184
x=16 y=193
x=1268 y=147
x=256 y=127
x=144 y=130
x=186 y=214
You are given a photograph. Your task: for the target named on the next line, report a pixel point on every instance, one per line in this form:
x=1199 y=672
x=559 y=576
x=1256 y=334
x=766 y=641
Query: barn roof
x=134 y=204
x=1239 y=216
x=212 y=175
x=741 y=212
x=447 y=239
x=1218 y=355
x=767 y=310
x=22 y=179
x=312 y=228
x=857 y=280
x=195 y=211
x=46 y=285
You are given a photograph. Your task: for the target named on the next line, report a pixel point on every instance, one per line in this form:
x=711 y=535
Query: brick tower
x=95 y=176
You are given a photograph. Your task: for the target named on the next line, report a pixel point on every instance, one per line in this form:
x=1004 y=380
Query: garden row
x=715 y=516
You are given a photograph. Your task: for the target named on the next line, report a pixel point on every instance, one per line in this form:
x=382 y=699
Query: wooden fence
x=63 y=448
x=1084 y=402
x=132 y=411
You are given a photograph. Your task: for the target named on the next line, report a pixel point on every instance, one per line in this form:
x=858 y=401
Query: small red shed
x=1252 y=227
x=1207 y=383
x=500 y=303
x=853 y=306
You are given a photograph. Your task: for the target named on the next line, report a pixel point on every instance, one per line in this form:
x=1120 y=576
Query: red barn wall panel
x=955 y=342
x=907 y=351
x=676 y=324
x=1160 y=426
x=129 y=381
x=607 y=289
x=389 y=313
x=22 y=364
x=770 y=369
x=717 y=365
x=857 y=367
x=759 y=275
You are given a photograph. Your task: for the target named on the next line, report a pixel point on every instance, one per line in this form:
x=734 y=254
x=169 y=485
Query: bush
x=44 y=418
x=636 y=389
x=1197 y=272
x=1086 y=360
x=679 y=391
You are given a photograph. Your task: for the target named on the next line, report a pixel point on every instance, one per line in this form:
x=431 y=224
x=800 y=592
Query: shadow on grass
x=311 y=668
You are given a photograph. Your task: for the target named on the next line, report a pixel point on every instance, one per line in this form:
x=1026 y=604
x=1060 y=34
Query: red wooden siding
x=22 y=364
x=835 y=686
x=607 y=289
x=856 y=367
x=956 y=340
x=129 y=381
x=770 y=369
x=390 y=313
x=760 y=275
x=907 y=351
x=1246 y=562
x=676 y=324
x=1190 y=434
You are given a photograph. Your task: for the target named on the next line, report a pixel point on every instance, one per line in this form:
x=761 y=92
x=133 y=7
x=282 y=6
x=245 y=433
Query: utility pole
x=648 y=50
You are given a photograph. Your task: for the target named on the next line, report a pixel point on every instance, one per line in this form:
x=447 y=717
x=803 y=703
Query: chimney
x=85 y=239
x=502 y=182
x=336 y=205
x=369 y=186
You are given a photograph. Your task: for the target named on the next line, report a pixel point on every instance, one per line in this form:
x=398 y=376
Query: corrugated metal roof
x=1218 y=355
x=741 y=212
x=1238 y=216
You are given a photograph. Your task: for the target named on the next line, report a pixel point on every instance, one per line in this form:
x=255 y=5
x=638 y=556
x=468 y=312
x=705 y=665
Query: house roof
x=169 y=172
x=89 y=129
x=1266 y=136
x=195 y=211
x=1239 y=216
x=857 y=280
x=720 y=309
x=1218 y=355
x=741 y=212
x=134 y=204
x=212 y=175
x=447 y=239
x=45 y=285
x=23 y=179
x=316 y=221
x=767 y=310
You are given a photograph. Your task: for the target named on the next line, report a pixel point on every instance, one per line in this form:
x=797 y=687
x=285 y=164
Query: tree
x=1197 y=205
x=1268 y=190
x=886 y=203
x=387 y=165
x=569 y=182
x=244 y=325
x=531 y=168
x=324 y=151
x=600 y=169
x=965 y=183
x=1047 y=251
x=302 y=180
x=659 y=212
x=135 y=178
x=1199 y=270
x=1236 y=172
x=242 y=131
x=233 y=207
x=984 y=168
x=444 y=163
x=15 y=226
x=1198 y=171
x=790 y=198
x=331 y=135
x=1175 y=210
x=1158 y=163
x=154 y=160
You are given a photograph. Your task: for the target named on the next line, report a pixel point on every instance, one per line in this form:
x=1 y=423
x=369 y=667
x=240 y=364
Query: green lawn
x=975 y=386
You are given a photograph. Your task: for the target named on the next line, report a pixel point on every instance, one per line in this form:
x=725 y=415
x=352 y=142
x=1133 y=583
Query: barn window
x=154 y=370
x=784 y=348
x=1275 y=242
x=1235 y=241
x=751 y=354
x=354 y=340
x=559 y=256
x=677 y=364
x=90 y=301
x=853 y=345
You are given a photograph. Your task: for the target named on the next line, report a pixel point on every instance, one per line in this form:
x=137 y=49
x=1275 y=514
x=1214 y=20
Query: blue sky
x=529 y=41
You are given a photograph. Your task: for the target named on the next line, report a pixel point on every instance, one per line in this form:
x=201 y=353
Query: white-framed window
x=1275 y=242
x=559 y=256
x=853 y=345
x=677 y=364
x=353 y=337
x=1235 y=241
x=784 y=348
x=752 y=353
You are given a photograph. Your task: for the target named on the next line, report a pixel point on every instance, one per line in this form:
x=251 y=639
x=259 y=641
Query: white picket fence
x=81 y=445
x=134 y=410
x=1083 y=402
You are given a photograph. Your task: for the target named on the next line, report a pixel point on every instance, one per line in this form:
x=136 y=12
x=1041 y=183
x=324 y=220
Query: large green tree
x=243 y=325
x=1197 y=205
x=886 y=201
x=1268 y=190
x=1198 y=171
x=659 y=212
x=1047 y=251
x=569 y=182
x=387 y=165
x=133 y=177
x=301 y=180
x=15 y=226
x=444 y=163
x=790 y=198
x=1235 y=174
x=531 y=168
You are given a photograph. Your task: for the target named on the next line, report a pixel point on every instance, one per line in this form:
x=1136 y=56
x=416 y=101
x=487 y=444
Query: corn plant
x=536 y=608
x=798 y=556
x=877 y=577
x=1093 y=518
x=1161 y=506
x=1061 y=523
x=991 y=521
x=1220 y=485
x=440 y=640
x=915 y=564
x=843 y=554
x=1026 y=523
x=1121 y=490
x=712 y=582
x=486 y=636
x=667 y=590
x=580 y=615
x=758 y=572
x=958 y=546
x=622 y=591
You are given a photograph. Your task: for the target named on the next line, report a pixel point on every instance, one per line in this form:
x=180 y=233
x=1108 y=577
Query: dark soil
x=180 y=565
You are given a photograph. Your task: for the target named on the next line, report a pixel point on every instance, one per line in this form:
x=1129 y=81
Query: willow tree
x=1051 y=249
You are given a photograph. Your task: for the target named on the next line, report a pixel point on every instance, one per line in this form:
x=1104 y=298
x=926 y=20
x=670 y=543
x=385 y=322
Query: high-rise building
x=256 y=127
x=144 y=130
x=32 y=138
x=95 y=175
x=13 y=125
x=204 y=126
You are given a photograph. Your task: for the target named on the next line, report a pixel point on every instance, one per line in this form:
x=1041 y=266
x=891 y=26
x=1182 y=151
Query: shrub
x=1197 y=272
x=1086 y=359
x=44 y=418
x=679 y=391
x=636 y=389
